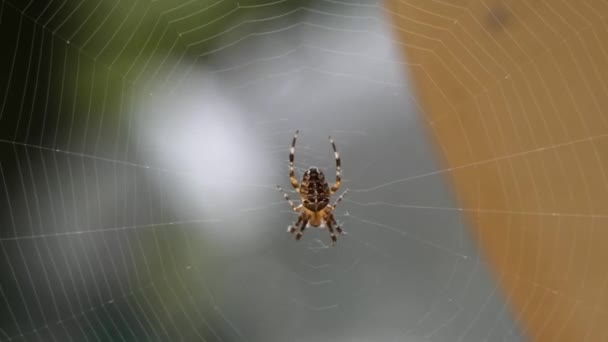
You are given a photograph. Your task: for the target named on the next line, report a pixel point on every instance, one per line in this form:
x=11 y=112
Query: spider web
x=140 y=142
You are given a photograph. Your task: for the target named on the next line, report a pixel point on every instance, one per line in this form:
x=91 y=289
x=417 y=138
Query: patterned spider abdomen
x=314 y=190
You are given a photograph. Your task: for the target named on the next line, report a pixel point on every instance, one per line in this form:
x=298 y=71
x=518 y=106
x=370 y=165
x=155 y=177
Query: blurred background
x=141 y=142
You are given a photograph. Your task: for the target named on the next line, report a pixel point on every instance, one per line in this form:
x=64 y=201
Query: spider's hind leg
x=292 y=173
x=336 y=185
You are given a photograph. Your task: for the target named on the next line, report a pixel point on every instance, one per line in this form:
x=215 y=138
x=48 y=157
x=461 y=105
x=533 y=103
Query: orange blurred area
x=514 y=94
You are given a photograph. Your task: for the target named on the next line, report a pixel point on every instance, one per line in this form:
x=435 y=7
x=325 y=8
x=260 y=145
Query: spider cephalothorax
x=315 y=194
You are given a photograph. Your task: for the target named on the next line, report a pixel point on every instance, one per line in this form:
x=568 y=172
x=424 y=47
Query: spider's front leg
x=330 y=227
x=304 y=220
x=292 y=228
x=334 y=223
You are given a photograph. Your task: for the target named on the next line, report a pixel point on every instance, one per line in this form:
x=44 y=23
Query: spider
x=314 y=193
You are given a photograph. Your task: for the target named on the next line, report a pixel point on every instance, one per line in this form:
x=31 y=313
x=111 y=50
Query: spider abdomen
x=314 y=190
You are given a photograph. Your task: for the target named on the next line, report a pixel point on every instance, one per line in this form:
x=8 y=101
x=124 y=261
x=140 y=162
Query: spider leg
x=293 y=206
x=336 y=185
x=292 y=227
x=330 y=227
x=292 y=173
x=337 y=226
x=339 y=199
x=302 y=227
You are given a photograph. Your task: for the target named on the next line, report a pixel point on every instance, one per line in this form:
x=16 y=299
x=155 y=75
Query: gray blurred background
x=140 y=143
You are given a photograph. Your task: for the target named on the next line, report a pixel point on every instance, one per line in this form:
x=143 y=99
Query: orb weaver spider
x=314 y=193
